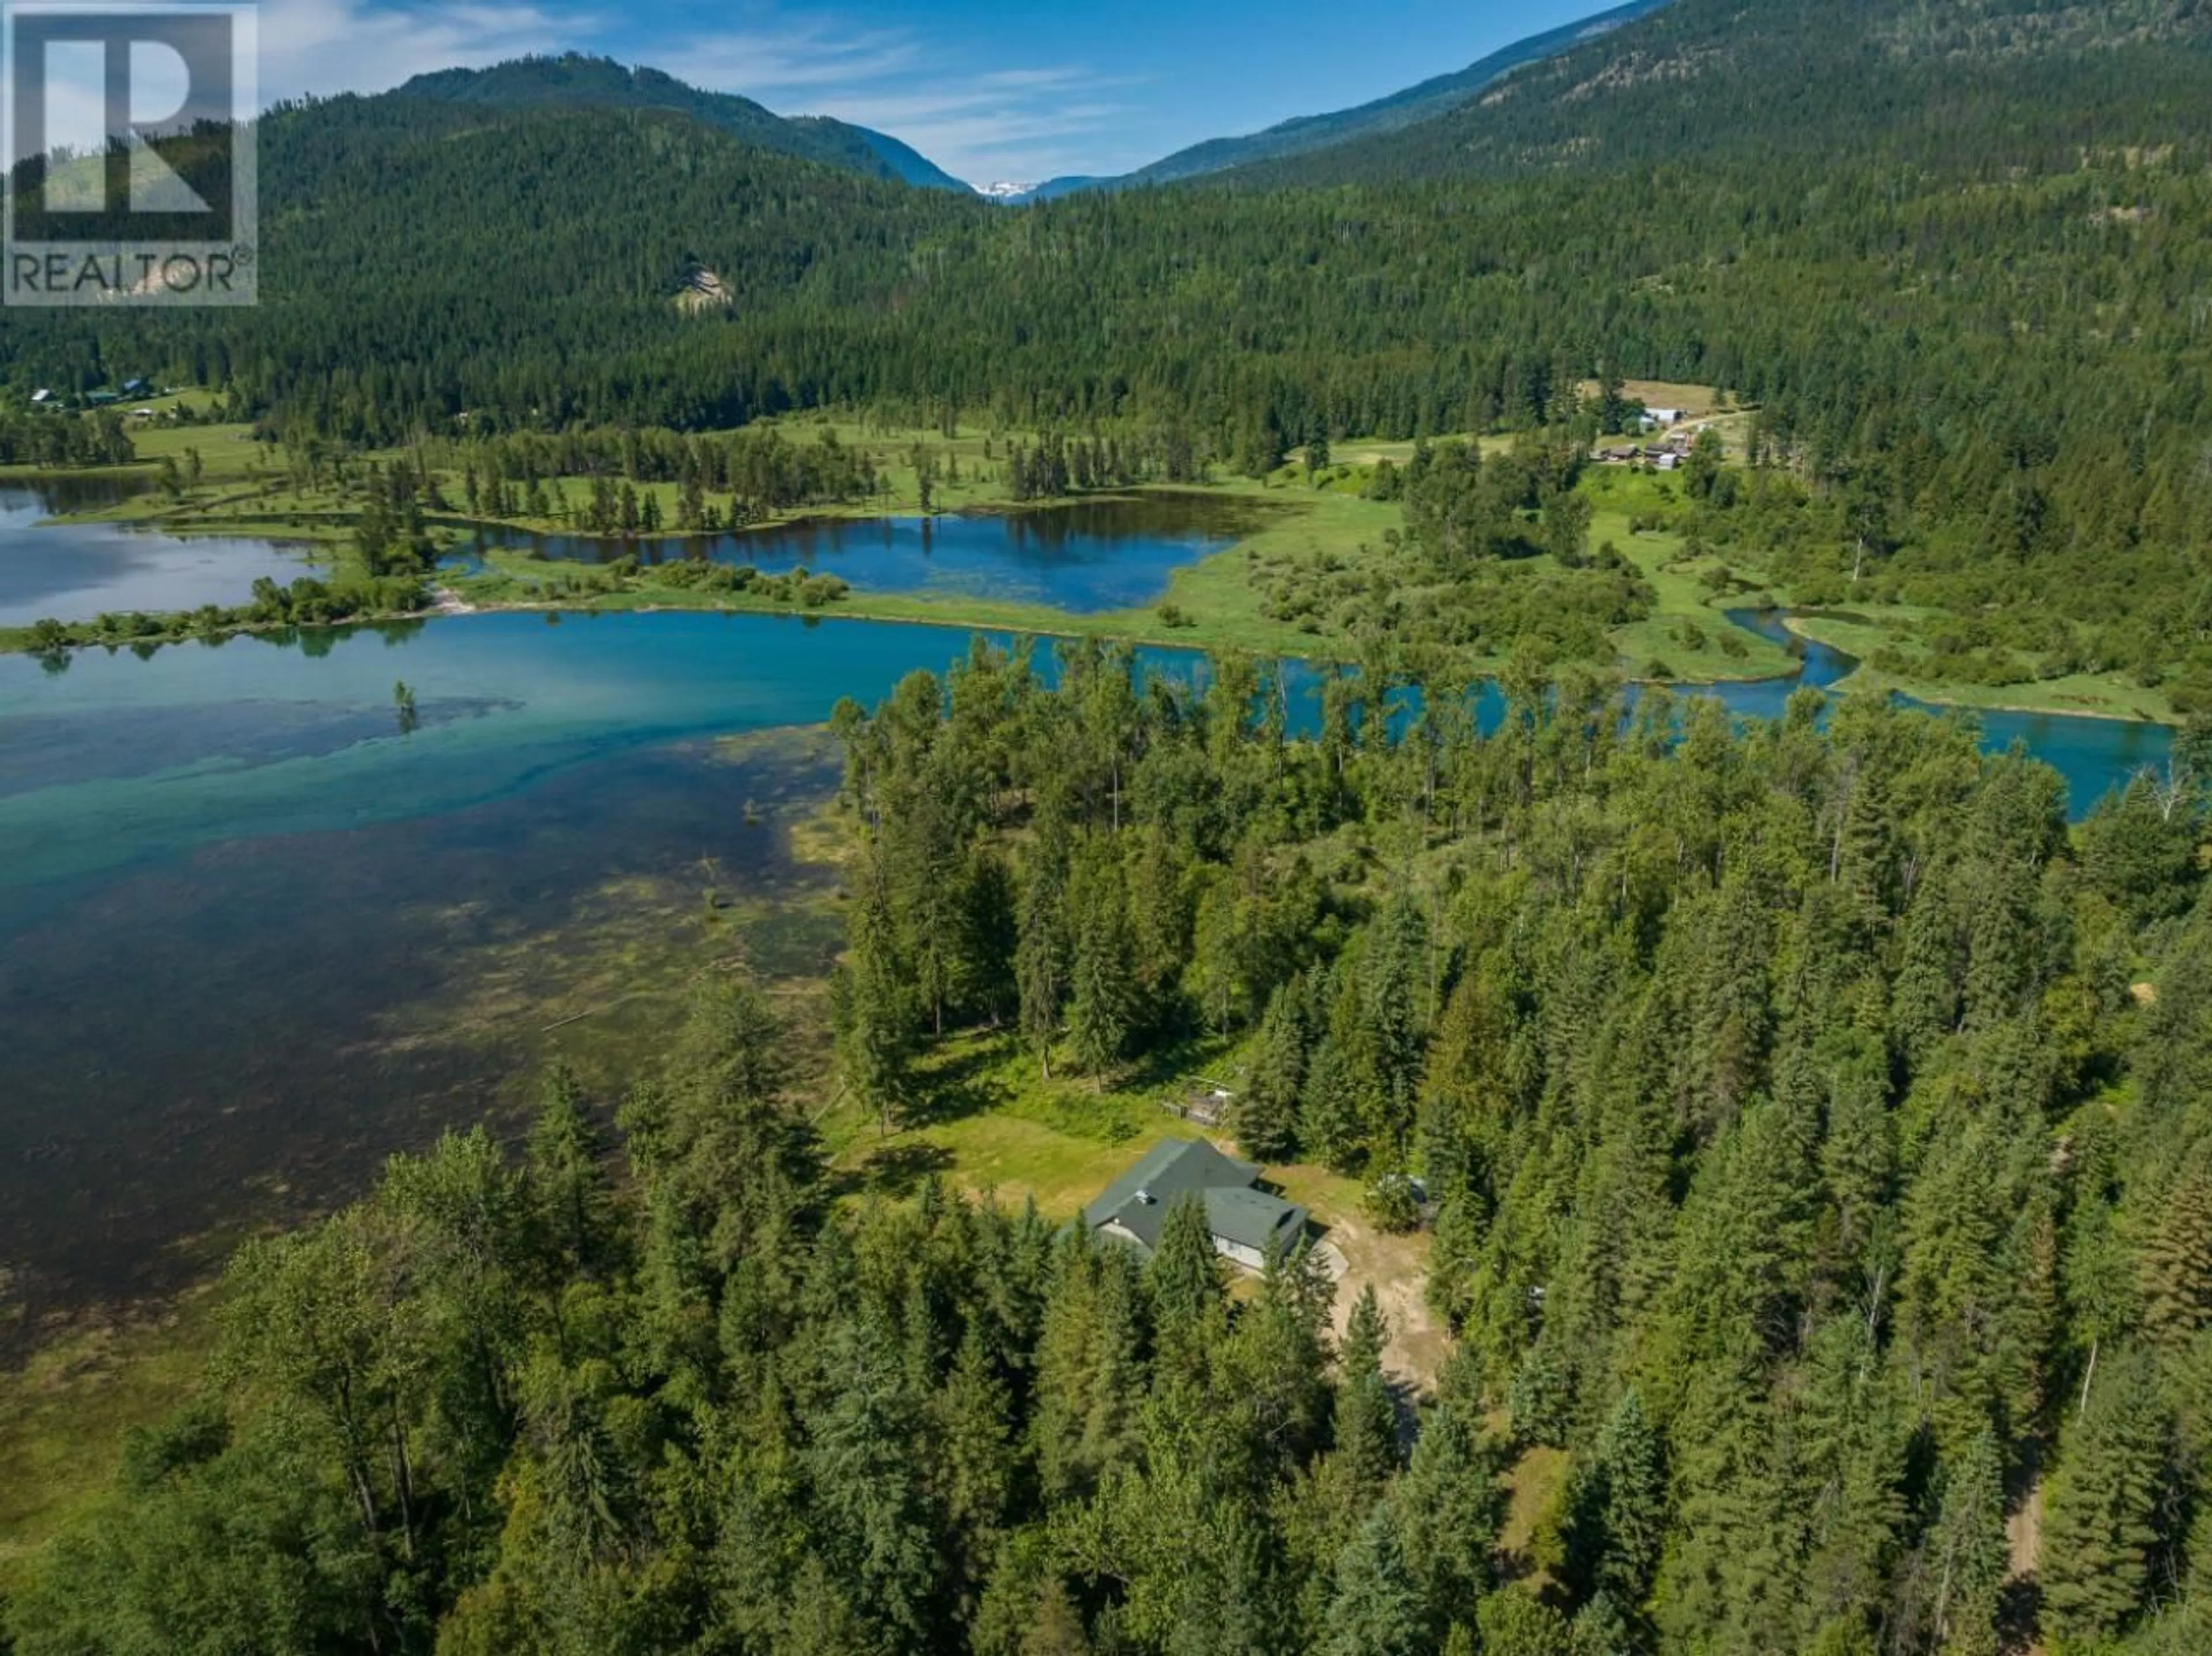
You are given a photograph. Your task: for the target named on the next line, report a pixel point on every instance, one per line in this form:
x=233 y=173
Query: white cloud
x=980 y=125
x=760 y=63
x=1016 y=121
x=1001 y=124
x=326 y=46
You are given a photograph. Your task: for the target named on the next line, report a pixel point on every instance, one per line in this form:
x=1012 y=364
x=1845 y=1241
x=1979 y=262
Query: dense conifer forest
x=1809 y=1131
x=1813 y=1128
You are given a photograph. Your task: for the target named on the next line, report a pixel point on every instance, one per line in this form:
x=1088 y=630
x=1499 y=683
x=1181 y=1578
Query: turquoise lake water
x=223 y=866
x=124 y=756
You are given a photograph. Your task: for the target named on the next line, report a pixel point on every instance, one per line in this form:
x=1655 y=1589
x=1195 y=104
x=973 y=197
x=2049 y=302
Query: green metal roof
x=1141 y=1199
x=1252 y=1218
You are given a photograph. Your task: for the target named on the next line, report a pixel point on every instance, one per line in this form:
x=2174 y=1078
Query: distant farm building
x=1243 y=1220
x=1654 y=417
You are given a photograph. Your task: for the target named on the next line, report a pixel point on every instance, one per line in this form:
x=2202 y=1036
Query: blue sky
x=989 y=89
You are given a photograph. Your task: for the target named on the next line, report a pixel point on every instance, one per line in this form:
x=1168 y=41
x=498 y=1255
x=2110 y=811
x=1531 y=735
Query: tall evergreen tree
x=568 y=1177
x=1619 y=1509
x=2177 y=1257
x=1184 y=1274
x=876 y=1012
x=1102 y=1007
x=1451 y=1502
x=1366 y=1412
x=2102 y=1506
x=1375 y=1610
x=1266 y=1113
x=1040 y=959
x=1968 y=1553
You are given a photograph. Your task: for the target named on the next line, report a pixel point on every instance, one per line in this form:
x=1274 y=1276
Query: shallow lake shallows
x=232 y=879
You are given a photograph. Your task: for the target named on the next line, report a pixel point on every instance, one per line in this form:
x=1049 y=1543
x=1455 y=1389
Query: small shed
x=1208 y=1106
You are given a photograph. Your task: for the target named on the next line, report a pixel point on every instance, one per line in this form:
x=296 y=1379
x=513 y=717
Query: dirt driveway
x=1357 y=1256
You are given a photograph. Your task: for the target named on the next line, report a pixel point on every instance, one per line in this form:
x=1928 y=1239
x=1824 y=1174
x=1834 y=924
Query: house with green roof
x=1245 y=1220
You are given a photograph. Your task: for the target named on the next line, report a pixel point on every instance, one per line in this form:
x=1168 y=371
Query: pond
x=75 y=571
x=1091 y=557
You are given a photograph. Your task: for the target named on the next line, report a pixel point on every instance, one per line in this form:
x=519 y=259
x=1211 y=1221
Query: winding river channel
x=235 y=890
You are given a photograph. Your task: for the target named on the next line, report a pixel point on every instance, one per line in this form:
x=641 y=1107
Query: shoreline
x=331 y=524
x=453 y=605
x=1042 y=621
x=448 y=603
x=1795 y=627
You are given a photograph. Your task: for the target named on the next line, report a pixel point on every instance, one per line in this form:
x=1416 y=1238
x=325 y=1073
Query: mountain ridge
x=575 y=78
x=1701 y=80
x=1393 y=112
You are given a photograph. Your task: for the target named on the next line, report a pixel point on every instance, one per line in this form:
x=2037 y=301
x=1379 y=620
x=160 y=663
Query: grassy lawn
x=1696 y=402
x=980 y=487
x=979 y=457
x=989 y=1119
x=990 y=1122
x=242 y=491
x=244 y=488
x=243 y=482
x=1217 y=593
x=1013 y=1157
x=227 y=452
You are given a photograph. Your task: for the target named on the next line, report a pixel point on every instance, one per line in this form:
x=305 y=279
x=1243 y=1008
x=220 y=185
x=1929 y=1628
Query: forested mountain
x=575 y=82
x=1955 y=255
x=1429 y=99
x=1821 y=1135
x=1974 y=86
x=425 y=257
